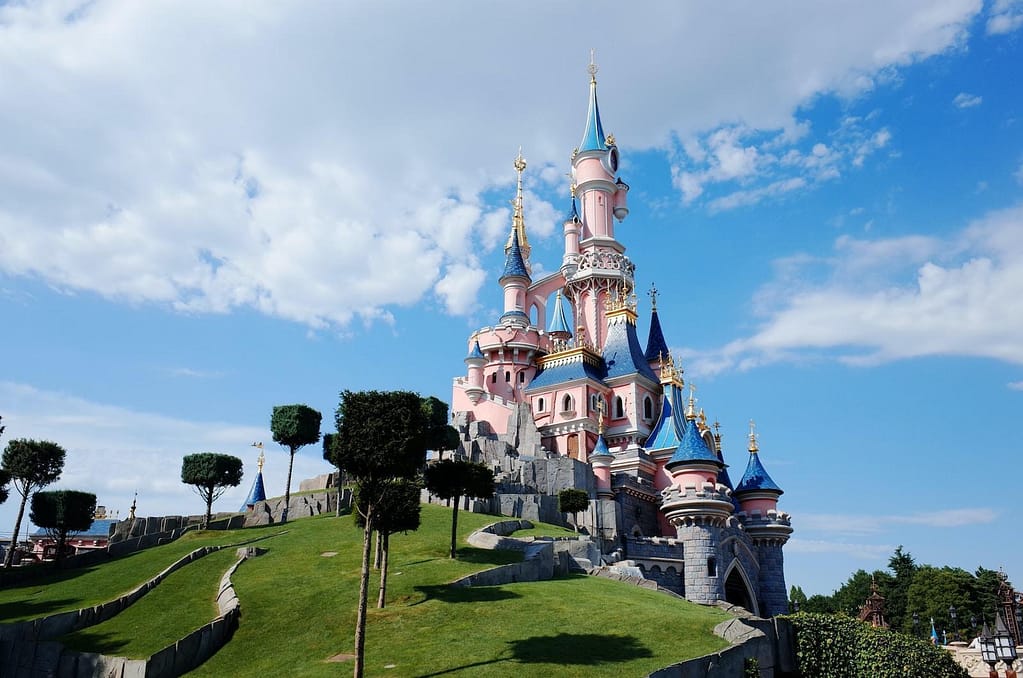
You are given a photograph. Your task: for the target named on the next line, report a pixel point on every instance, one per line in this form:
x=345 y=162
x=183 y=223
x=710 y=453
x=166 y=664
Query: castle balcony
x=706 y=505
x=603 y=263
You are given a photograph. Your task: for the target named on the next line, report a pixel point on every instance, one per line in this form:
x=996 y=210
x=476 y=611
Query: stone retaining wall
x=28 y=648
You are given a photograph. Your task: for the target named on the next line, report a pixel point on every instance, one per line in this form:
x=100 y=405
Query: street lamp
x=955 y=626
x=916 y=625
x=988 y=652
x=1005 y=646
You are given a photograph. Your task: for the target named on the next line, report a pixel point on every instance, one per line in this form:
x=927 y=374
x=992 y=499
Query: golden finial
x=592 y=68
x=601 y=407
x=571 y=189
x=691 y=410
x=261 y=459
x=610 y=140
x=134 y=501
x=702 y=419
x=653 y=297
x=717 y=433
x=753 y=437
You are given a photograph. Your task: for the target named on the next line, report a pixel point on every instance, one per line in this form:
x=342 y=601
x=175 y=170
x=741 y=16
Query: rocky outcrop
x=301 y=506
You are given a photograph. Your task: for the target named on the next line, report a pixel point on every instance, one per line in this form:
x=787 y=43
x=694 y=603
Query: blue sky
x=207 y=210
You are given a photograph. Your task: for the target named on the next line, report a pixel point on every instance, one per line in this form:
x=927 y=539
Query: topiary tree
x=62 y=513
x=210 y=474
x=572 y=501
x=294 y=426
x=451 y=479
x=442 y=436
x=31 y=465
x=397 y=511
x=381 y=436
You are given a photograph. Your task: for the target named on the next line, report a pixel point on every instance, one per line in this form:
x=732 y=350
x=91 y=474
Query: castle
x=561 y=393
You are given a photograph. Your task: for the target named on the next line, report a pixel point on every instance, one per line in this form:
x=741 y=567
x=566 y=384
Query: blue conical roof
x=623 y=354
x=755 y=479
x=593 y=135
x=574 y=214
x=667 y=432
x=475 y=352
x=656 y=347
x=513 y=262
x=559 y=321
x=600 y=448
x=692 y=448
x=256 y=494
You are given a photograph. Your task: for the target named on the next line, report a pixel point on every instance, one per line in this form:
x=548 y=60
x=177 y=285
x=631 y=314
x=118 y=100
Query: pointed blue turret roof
x=559 y=321
x=670 y=427
x=513 y=262
x=623 y=354
x=692 y=448
x=600 y=448
x=475 y=353
x=656 y=347
x=256 y=494
x=593 y=135
x=755 y=479
x=574 y=214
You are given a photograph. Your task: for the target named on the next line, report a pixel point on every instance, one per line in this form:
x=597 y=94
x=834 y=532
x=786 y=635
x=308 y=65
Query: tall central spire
x=593 y=135
x=518 y=220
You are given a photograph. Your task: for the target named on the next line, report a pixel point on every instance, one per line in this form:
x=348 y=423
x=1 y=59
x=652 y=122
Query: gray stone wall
x=269 y=512
x=773 y=593
x=700 y=543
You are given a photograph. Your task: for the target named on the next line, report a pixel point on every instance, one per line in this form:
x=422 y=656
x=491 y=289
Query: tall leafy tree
x=903 y=566
x=441 y=435
x=454 y=479
x=397 y=511
x=210 y=474
x=63 y=513
x=571 y=500
x=294 y=426
x=381 y=436
x=934 y=590
x=32 y=465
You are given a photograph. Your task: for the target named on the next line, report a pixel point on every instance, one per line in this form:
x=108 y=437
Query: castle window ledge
x=566 y=414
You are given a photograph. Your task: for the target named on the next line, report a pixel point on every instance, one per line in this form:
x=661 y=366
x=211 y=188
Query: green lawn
x=546 y=530
x=72 y=589
x=298 y=609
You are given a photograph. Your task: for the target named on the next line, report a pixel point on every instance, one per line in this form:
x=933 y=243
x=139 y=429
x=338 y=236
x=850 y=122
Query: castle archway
x=737 y=589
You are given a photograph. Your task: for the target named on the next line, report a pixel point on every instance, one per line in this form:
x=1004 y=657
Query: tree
x=294 y=426
x=5 y=477
x=572 y=501
x=441 y=435
x=450 y=479
x=397 y=511
x=32 y=465
x=904 y=567
x=934 y=590
x=211 y=474
x=381 y=436
x=62 y=513
x=797 y=599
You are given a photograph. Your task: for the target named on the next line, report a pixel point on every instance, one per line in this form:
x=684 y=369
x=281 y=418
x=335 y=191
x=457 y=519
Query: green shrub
x=836 y=646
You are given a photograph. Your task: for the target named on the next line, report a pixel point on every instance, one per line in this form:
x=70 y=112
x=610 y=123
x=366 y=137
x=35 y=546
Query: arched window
x=539 y=405
x=648 y=408
x=522 y=377
x=507 y=375
x=566 y=403
x=619 y=407
x=493 y=378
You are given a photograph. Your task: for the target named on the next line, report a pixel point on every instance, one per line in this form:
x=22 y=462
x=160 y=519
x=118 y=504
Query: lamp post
x=952 y=617
x=916 y=625
x=988 y=653
x=1005 y=645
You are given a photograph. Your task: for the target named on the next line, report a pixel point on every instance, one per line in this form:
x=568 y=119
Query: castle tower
x=257 y=493
x=699 y=508
x=768 y=528
x=560 y=328
x=474 y=363
x=600 y=460
x=594 y=265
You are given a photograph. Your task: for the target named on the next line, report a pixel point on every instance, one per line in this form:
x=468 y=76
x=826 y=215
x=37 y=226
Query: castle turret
x=559 y=329
x=257 y=493
x=475 y=362
x=600 y=460
x=768 y=528
x=656 y=347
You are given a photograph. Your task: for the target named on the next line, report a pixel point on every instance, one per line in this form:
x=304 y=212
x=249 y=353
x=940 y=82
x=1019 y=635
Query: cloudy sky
x=209 y=208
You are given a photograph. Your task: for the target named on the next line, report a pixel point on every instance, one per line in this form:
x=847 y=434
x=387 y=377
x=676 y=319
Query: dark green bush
x=836 y=646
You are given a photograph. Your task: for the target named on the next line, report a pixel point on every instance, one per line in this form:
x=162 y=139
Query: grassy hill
x=298 y=609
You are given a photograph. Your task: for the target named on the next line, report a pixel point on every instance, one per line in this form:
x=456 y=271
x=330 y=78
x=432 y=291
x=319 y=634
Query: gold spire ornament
x=691 y=410
x=518 y=220
x=601 y=407
x=653 y=297
x=753 y=437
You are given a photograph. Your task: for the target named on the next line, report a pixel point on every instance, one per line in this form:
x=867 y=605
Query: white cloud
x=1006 y=16
x=287 y=158
x=1016 y=385
x=876 y=301
x=459 y=287
x=192 y=373
x=861 y=551
x=114 y=451
x=864 y=524
x=964 y=100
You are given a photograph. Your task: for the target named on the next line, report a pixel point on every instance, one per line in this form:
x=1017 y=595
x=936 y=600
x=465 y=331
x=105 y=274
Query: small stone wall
x=29 y=649
x=766 y=640
x=269 y=512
